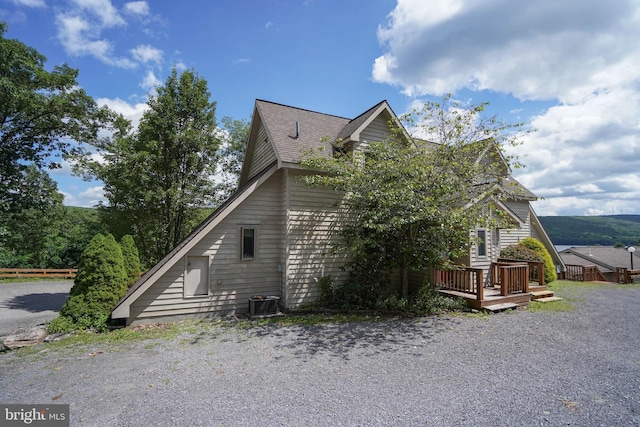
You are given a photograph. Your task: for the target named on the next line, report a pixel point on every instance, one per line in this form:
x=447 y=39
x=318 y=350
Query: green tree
x=101 y=281
x=131 y=258
x=43 y=114
x=232 y=152
x=412 y=202
x=75 y=229
x=29 y=223
x=158 y=179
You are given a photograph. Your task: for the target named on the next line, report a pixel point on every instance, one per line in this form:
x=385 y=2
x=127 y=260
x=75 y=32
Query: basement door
x=197 y=276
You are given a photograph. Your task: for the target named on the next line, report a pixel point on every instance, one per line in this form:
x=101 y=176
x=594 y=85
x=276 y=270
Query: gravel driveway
x=578 y=368
x=27 y=304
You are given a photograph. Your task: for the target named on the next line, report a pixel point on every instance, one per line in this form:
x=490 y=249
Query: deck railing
x=54 y=273
x=513 y=278
x=583 y=273
x=463 y=279
x=536 y=269
x=624 y=275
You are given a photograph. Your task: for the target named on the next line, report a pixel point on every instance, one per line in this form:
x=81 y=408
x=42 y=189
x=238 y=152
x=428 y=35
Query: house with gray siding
x=273 y=236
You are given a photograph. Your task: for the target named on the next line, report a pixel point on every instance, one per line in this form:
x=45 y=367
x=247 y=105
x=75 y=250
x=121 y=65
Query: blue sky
x=568 y=68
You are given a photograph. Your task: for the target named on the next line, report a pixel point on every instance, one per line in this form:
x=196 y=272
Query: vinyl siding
x=231 y=281
x=499 y=239
x=513 y=236
x=312 y=221
x=377 y=131
x=262 y=155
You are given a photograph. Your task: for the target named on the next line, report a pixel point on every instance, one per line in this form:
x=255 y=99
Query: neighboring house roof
x=607 y=258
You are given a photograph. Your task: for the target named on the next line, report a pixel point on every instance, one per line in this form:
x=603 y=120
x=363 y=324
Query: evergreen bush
x=101 y=281
x=131 y=259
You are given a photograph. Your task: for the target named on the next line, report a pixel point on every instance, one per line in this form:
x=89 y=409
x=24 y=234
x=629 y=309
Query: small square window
x=248 y=243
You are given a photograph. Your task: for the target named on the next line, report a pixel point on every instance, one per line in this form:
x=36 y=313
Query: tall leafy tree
x=232 y=151
x=29 y=223
x=412 y=201
x=158 y=179
x=43 y=114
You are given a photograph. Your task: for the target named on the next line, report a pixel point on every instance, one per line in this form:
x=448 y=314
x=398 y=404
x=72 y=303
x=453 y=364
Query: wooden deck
x=512 y=284
x=494 y=301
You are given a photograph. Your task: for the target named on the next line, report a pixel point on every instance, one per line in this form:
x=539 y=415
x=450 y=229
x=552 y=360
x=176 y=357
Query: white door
x=197 y=277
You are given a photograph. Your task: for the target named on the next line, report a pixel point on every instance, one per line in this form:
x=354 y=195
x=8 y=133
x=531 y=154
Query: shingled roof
x=605 y=257
x=315 y=129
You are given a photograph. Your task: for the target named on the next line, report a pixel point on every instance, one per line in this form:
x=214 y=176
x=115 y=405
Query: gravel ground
x=24 y=305
x=578 y=368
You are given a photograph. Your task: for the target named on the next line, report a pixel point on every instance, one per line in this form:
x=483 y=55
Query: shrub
x=101 y=281
x=327 y=291
x=131 y=258
x=429 y=301
x=550 y=274
x=519 y=252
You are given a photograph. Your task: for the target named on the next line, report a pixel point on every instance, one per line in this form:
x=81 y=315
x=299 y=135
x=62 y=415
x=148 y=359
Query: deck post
x=541 y=274
x=480 y=285
x=505 y=281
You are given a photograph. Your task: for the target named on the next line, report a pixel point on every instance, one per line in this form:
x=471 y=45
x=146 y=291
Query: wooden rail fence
x=53 y=273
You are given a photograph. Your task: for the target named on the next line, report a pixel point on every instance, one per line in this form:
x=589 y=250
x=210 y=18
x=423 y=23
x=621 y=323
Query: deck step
x=541 y=294
x=548 y=299
x=500 y=307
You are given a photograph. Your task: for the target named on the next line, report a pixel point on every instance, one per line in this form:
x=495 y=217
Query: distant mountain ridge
x=605 y=230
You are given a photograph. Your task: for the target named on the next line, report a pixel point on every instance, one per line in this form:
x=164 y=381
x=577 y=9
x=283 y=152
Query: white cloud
x=147 y=53
x=585 y=155
x=87 y=197
x=537 y=50
x=150 y=81
x=81 y=37
x=137 y=8
x=83 y=31
x=29 y=3
x=103 y=10
x=131 y=112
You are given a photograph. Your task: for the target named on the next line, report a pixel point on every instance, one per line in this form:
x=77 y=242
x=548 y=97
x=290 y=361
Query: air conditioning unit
x=263 y=305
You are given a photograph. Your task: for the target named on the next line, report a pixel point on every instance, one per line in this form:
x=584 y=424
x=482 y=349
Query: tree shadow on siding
x=355 y=340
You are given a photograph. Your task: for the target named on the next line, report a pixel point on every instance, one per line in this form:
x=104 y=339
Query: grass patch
x=552 y=306
x=572 y=292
